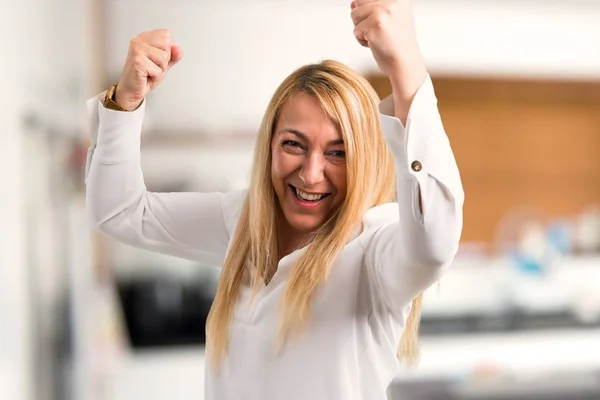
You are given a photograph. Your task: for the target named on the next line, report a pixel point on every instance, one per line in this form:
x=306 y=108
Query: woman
x=354 y=208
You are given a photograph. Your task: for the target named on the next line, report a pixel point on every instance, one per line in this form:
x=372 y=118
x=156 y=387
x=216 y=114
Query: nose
x=312 y=171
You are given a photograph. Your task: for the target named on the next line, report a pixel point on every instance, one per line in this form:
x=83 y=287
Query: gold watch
x=110 y=103
x=109 y=100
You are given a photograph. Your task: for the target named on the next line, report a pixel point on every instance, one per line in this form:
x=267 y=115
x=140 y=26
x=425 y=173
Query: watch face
x=109 y=101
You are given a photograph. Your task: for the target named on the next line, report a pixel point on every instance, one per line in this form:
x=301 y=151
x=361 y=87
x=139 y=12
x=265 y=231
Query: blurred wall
x=237 y=52
x=15 y=325
x=41 y=43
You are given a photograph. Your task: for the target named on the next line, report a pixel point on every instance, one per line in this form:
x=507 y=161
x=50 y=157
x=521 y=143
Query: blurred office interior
x=517 y=316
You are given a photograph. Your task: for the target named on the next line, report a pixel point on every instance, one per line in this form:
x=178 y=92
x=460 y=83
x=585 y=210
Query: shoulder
x=374 y=219
x=380 y=216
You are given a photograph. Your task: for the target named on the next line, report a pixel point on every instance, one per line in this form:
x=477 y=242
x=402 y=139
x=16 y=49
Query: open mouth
x=308 y=197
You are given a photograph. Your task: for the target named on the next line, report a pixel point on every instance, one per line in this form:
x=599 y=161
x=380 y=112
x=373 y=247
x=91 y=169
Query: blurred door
x=527 y=144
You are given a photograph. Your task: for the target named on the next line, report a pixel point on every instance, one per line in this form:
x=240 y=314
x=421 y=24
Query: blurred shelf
x=164 y=140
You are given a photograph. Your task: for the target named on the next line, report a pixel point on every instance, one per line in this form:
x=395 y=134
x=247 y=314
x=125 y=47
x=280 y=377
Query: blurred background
x=516 y=317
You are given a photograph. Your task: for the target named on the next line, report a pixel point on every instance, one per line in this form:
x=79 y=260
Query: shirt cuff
x=114 y=135
x=118 y=133
x=412 y=145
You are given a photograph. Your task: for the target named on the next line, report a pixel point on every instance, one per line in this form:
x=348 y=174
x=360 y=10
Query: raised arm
x=196 y=226
x=410 y=254
x=407 y=256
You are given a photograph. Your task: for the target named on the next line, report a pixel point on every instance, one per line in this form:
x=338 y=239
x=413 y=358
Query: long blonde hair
x=351 y=104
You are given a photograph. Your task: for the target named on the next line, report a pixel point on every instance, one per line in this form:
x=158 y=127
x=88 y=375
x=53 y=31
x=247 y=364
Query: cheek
x=274 y=174
x=339 y=180
x=278 y=169
x=275 y=165
x=282 y=165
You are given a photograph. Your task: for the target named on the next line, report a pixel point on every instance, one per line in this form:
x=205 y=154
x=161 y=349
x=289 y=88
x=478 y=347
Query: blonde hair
x=351 y=104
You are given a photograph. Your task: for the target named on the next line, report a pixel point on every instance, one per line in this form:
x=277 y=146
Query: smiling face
x=308 y=168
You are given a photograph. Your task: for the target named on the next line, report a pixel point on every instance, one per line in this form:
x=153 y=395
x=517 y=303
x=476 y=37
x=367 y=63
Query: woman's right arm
x=195 y=226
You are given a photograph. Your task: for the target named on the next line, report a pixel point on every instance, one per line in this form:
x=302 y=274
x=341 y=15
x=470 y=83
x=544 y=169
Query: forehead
x=302 y=112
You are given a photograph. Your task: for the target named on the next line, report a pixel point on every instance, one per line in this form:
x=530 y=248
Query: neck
x=289 y=239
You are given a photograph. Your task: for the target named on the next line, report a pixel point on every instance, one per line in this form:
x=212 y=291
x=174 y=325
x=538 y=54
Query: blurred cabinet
x=528 y=144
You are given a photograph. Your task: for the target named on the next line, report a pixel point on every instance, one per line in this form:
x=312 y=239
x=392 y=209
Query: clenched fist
x=387 y=28
x=151 y=55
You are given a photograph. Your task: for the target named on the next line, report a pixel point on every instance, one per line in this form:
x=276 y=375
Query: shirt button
x=416 y=166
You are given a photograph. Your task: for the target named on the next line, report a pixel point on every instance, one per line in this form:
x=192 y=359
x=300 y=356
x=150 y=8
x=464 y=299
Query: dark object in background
x=566 y=386
x=510 y=320
x=163 y=310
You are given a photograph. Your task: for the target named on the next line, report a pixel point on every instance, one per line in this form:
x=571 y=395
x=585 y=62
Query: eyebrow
x=303 y=137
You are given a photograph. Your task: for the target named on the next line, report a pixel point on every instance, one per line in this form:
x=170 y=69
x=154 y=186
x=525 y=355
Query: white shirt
x=348 y=350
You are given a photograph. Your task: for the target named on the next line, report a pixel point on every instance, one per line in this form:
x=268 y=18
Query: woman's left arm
x=410 y=254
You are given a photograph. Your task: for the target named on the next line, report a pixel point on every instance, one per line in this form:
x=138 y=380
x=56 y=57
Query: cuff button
x=416 y=166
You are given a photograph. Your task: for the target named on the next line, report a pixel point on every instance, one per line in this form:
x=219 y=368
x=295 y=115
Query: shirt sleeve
x=409 y=255
x=187 y=225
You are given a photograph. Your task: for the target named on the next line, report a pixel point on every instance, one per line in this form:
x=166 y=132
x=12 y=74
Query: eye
x=291 y=143
x=338 y=154
x=292 y=146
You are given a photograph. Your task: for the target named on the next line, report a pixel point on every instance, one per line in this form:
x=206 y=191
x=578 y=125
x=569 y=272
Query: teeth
x=309 y=196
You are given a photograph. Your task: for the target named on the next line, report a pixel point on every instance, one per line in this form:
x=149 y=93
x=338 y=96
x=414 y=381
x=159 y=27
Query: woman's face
x=308 y=167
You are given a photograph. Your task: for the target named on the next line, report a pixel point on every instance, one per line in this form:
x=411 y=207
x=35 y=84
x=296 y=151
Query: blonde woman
x=354 y=208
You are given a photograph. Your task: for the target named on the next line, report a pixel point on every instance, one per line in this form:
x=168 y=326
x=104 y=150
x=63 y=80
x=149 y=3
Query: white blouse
x=348 y=350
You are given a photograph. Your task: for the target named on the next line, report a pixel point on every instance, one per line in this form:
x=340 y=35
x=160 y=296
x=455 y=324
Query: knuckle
x=133 y=44
x=136 y=51
x=166 y=36
x=139 y=69
x=379 y=19
x=140 y=38
x=380 y=13
x=138 y=59
x=384 y=10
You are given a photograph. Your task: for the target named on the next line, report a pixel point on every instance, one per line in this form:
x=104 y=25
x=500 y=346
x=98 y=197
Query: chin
x=304 y=224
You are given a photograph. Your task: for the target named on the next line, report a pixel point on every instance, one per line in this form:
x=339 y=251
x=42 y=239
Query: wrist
x=125 y=101
x=405 y=83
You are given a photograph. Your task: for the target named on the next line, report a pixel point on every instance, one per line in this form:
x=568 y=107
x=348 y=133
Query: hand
x=151 y=55
x=387 y=28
